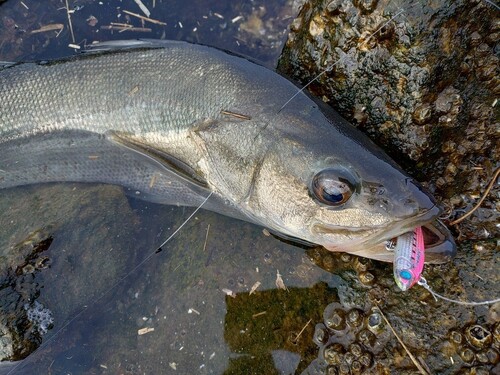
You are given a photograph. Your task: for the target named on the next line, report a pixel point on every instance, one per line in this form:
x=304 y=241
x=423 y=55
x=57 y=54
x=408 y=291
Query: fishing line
x=25 y=362
x=423 y=282
x=493 y=4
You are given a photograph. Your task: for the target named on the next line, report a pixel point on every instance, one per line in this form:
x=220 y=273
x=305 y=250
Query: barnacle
x=346 y=344
x=478 y=336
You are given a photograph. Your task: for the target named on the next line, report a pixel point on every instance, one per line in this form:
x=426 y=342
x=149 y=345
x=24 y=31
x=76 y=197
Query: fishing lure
x=409 y=255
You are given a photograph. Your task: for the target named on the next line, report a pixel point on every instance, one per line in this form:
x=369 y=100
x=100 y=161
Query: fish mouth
x=439 y=244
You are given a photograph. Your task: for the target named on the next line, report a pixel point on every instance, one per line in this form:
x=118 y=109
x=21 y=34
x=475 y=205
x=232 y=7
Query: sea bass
x=171 y=122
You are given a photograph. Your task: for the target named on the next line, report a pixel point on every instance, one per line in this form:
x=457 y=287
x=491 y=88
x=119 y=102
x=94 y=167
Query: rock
x=44 y=276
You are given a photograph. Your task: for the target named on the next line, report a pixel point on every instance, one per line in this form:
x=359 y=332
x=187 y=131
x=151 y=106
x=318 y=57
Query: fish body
x=172 y=122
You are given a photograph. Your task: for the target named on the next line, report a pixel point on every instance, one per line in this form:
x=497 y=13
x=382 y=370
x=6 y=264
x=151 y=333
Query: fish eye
x=332 y=187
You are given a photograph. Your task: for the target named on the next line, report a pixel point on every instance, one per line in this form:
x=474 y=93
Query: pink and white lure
x=409 y=255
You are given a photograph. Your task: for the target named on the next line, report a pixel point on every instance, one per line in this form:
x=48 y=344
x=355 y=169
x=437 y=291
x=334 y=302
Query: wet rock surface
x=46 y=269
x=448 y=338
x=421 y=79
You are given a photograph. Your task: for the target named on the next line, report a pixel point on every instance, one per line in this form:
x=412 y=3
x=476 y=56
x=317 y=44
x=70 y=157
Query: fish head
x=324 y=182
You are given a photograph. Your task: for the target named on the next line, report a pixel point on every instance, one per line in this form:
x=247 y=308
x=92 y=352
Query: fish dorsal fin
x=7 y=64
x=168 y=161
x=117 y=45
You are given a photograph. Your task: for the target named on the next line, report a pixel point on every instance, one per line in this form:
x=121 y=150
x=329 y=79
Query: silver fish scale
x=113 y=90
x=156 y=96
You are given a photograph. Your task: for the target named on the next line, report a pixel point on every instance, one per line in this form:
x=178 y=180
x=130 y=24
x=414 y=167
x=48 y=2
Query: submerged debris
x=145 y=330
x=147 y=19
x=229 y=292
x=51 y=27
x=254 y=287
x=279 y=281
x=39 y=316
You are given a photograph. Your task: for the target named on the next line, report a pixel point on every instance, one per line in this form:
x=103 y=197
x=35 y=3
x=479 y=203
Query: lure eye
x=405 y=275
x=331 y=187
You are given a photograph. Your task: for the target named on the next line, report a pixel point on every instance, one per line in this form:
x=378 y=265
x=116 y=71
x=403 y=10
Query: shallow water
x=98 y=236
x=78 y=249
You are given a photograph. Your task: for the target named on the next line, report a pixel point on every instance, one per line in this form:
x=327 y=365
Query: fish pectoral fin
x=167 y=161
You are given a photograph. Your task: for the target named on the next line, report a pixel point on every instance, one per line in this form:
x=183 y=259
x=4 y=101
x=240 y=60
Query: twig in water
x=236 y=115
x=143 y=18
x=122 y=29
x=145 y=330
x=206 y=238
x=121 y=24
x=51 y=27
x=279 y=281
x=478 y=204
x=254 y=288
x=143 y=7
x=413 y=359
x=259 y=314
x=69 y=23
x=301 y=331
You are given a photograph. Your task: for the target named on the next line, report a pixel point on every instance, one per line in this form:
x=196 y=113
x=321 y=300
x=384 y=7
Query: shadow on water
x=68 y=254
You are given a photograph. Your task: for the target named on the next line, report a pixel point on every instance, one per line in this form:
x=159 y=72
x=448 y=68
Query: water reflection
x=40 y=30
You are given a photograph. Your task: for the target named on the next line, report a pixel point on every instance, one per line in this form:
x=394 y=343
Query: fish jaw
x=440 y=246
x=370 y=242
